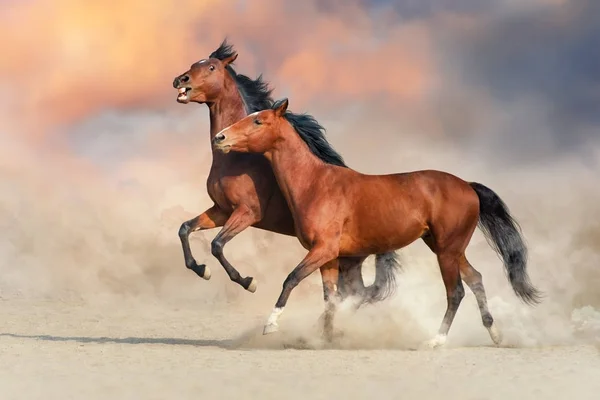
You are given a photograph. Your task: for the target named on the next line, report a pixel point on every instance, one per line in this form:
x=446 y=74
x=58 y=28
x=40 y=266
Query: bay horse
x=339 y=212
x=242 y=186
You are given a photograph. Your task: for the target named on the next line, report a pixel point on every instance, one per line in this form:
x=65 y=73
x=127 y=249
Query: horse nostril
x=179 y=80
x=219 y=138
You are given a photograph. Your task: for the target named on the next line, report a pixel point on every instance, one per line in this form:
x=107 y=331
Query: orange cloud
x=67 y=59
x=74 y=57
x=400 y=69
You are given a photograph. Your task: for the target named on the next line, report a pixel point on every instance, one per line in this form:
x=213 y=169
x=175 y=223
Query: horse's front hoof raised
x=207 y=273
x=252 y=285
x=201 y=270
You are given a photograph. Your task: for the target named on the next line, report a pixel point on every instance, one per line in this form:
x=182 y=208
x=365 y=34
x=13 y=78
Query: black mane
x=224 y=51
x=256 y=94
x=314 y=135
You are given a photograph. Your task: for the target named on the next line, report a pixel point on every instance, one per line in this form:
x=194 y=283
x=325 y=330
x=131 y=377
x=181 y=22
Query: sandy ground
x=70 y=350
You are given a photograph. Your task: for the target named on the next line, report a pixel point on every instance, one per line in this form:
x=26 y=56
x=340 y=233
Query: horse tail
x=503 y=234
x=384 y=286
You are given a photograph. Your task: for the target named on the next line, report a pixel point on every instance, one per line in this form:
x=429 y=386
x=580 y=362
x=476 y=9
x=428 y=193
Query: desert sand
x=60 y=350
x=151 y=348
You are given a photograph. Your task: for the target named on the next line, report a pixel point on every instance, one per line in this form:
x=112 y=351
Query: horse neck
x=228 y=109
x=294 y=166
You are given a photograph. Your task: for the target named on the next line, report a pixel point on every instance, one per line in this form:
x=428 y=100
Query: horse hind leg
x=449 y=267
x=474 y=281
x=350 y=282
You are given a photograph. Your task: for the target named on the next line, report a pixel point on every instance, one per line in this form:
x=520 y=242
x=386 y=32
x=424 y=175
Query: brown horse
x=243 y=187
x=339 y=212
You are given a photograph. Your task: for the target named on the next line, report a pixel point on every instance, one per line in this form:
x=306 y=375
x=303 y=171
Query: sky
x=84 y=62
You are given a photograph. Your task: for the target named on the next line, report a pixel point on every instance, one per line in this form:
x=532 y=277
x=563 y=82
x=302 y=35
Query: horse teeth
x=182 y=90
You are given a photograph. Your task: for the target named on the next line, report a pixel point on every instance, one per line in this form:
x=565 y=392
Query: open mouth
x=225 y=149
x=183 y=94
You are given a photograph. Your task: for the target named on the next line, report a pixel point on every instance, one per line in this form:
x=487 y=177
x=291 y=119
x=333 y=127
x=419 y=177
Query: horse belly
x=369 y=236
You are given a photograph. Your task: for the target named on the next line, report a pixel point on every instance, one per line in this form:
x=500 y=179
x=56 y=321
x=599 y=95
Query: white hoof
x=253 y=285
x=495 y=334
x=270 y=328
x=207 y=273
x=437 y=341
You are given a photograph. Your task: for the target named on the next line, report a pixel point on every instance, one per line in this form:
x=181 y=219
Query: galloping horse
x=339 y=212
x=243 y=187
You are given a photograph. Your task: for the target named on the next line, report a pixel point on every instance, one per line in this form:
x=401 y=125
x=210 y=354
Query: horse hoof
x=201 y=270
x=252 y=286
x=437 y=341
x=495 y=334
x=270 y=328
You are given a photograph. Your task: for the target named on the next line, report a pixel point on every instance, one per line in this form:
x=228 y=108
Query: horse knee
x=184 y=230
x=216 y=247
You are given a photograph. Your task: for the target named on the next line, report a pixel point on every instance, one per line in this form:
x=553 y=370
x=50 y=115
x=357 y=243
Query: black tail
x=384 y=286
x=504 y=235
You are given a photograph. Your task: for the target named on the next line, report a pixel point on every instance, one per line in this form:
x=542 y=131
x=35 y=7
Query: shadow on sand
x=252 y=339
x=224 y=344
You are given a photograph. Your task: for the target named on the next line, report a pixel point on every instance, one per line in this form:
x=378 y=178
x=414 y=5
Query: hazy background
x=99 y=165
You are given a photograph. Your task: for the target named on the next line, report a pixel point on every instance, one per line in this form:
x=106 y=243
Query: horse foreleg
x=450 y=269
x=318 y=256
x=211 y=218
x=241 y=218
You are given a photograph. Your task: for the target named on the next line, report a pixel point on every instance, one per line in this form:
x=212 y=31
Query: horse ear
x=280 y=106
x=229 y=59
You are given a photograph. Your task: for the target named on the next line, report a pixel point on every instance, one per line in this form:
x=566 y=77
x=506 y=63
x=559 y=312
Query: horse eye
x=212 y=67
x=257 y=122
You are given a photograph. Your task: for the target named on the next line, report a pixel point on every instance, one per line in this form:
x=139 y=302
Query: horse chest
x=219 y=191
x=230 y=191
x=314 y=223
x=306 y=238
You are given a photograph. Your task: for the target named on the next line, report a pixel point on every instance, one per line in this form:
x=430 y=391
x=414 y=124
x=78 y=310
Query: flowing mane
x=313 y=134
x=256 y=94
